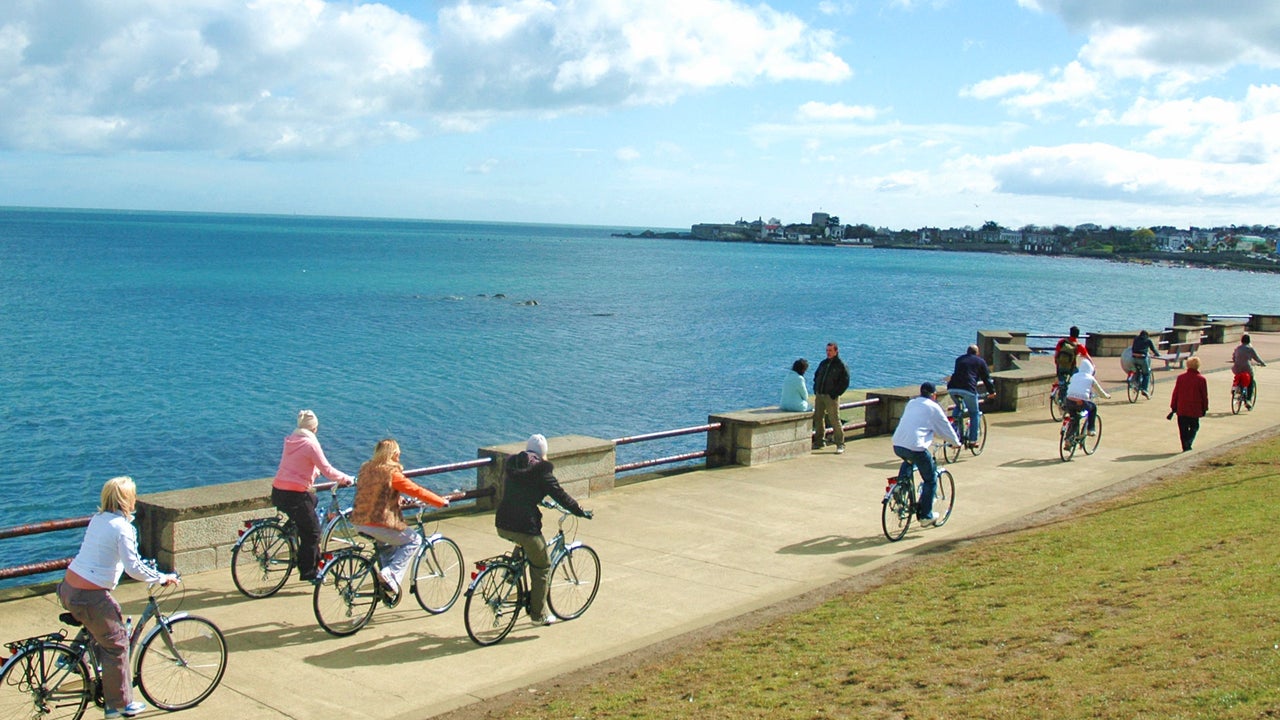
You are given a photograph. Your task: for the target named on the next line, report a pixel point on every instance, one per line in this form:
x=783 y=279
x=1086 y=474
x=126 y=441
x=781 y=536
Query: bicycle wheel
x=339 y=534
x=493 y=604
x=1237 y=399
x=47 y=681
x=951 y=453
x=1055 y=405
x=978 y=447
x=181 y=662
x=437 y=575
x=1067 y=441
x=1089 y=443
x=944 y=497
x=1253 y=395
x=575 y=578
x=1131 y=387
x=897 y=511
x=346 y=594
x=262 y=560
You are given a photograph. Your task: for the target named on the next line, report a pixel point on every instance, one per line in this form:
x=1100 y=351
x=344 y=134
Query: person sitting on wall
x=795 y=395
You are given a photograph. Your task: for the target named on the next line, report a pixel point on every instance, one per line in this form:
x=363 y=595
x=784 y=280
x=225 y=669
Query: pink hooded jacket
x=302 y=461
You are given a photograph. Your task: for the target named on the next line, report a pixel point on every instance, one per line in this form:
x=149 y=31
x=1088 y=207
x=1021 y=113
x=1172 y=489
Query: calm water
x=178 y=348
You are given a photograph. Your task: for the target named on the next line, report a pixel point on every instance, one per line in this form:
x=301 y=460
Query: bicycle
x=180 y=662
x=899 y=506
x=1133 y=385
x=960 y=423
x=1070 y=437
x=499 y=587
x=349 y=588
x=266 y=551
x=1242 y=396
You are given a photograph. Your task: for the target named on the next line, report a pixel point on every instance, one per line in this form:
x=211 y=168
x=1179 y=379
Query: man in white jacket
x=912 y=440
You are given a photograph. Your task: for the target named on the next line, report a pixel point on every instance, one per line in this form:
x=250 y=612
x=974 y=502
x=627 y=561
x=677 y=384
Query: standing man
x=829 y=383
x=912 y=440
x=963 y=386
x=1240 y=359
x=1190 y=402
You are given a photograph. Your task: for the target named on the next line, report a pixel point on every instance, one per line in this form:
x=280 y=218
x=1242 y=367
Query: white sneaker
x=839 y=449
x=548 y=620
x=931 y=520
x=389 y=579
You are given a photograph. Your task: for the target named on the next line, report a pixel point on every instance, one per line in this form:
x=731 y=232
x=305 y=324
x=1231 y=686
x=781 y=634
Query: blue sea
x=178 y=347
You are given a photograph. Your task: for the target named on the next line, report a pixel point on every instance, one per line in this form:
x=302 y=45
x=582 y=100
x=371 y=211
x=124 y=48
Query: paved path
x=679 y=553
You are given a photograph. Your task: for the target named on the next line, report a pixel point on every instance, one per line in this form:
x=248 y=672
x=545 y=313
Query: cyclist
x=110 y=547
x=1241 y=357
x=1064 y=357
x=1143 y=350
x=377 y=513
x=1080 y=392
x=301 y=462
x=963 y=386
x=527 y=481
x=912 y=440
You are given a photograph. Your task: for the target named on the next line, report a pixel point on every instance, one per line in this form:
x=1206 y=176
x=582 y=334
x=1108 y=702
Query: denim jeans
x=1142 y=366
x=971 y=411
x=923 y=461
x=395 y=547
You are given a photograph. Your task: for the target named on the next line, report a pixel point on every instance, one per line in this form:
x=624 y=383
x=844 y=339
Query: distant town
x=1246 y=247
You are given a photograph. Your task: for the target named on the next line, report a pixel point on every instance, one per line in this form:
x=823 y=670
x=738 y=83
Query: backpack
x=1065 y=357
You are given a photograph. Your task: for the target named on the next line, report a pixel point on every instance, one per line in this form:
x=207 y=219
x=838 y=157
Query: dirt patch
x=528 y=701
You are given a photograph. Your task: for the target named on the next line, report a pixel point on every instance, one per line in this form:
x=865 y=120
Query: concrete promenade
x=678 y=553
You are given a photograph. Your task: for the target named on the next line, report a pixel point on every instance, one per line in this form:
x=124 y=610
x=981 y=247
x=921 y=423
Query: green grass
x=1160 y=604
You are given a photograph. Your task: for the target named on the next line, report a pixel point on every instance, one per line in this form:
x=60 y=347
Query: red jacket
x=1190 y=395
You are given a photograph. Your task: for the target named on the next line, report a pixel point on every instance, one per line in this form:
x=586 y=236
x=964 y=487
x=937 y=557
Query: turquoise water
x=177 y=348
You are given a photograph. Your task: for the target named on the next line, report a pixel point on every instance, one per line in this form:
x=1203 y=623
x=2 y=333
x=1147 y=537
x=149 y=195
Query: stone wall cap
x=557 y=447
x=202 y=499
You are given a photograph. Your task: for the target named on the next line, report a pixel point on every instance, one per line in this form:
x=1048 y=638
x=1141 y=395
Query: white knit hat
x=307 y=420
x=537 y=445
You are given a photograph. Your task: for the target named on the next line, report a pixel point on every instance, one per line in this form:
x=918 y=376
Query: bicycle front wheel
x=1089 y=443
x=47 y=681
x=346 y=594
x=493 y=604
x=1253 y=395
x=575 y=578
x=339 y=534
x=979 y=446
x=1237 y=399
x=897 y=511
x=437 y=575
x=944 y=497
x=262 y=560
x=181 y=663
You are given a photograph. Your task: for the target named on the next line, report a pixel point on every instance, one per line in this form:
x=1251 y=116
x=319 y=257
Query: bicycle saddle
x=67 y=618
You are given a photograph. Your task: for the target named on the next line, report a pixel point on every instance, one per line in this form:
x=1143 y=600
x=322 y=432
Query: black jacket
x=527 y=481
x=831 y=378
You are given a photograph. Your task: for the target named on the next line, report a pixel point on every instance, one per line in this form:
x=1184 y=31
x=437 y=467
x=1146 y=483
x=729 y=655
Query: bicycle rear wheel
x=47 y=681
x=1131 y=387
x=1089 y=443
x=951 y=453
x=978 y=447
x=944 y=497
x=181 y=662
x=262 y=560
x=1055 y=404
x=575 y=578
x=897 y=511
x=493 y=604
x=346 y=594
x=1067 y=440
x=437 y=575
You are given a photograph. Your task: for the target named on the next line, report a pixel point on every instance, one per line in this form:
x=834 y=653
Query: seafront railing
x=37 y=528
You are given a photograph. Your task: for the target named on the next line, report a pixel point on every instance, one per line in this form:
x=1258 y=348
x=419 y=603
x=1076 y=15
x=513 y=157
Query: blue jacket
x=795 y=396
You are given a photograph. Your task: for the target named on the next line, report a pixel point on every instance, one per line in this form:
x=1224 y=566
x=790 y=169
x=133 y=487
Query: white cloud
x=271 y=78
x=627 y=154
x=819 y=111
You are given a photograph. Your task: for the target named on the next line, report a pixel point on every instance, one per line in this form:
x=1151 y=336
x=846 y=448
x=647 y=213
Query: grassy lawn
x=1160 y=604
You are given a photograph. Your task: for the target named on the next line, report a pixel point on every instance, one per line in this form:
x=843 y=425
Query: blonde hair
x=119 y=495
x=383 y=451
x=1193 y=363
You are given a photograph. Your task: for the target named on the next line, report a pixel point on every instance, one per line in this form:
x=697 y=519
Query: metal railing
x=37 y=528
x=639 y=464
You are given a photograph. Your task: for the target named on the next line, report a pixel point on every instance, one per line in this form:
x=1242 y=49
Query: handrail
x=44 y=526
x=448 y=467
x=660 y=435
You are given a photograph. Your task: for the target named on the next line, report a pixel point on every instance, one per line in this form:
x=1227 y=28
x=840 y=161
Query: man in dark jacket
x=829 y=383
x=518 y=519
x=970 y=368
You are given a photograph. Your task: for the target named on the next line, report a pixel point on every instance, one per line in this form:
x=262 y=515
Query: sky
x=649 y=113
